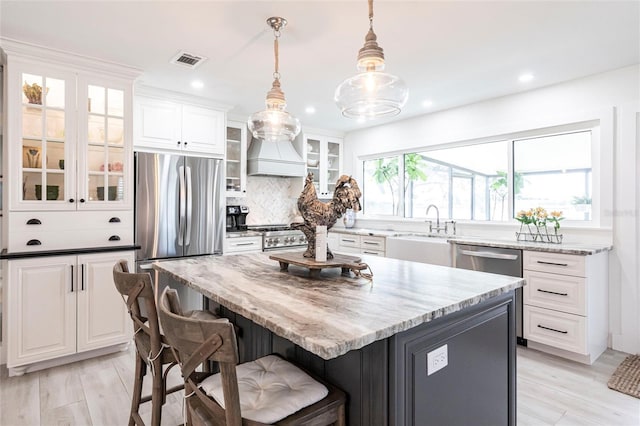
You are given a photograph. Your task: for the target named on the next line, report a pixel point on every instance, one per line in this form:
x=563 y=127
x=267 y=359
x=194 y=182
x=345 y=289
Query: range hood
x=274 y=159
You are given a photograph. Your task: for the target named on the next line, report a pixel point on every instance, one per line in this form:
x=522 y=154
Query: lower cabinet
x=62 y=305
x=242 y=245
x=565 y=304
x=359 y=244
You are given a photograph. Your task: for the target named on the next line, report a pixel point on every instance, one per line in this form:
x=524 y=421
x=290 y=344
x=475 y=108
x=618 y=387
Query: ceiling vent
x=188 y=60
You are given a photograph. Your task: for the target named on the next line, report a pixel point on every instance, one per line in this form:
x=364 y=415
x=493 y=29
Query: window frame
x=593 y=126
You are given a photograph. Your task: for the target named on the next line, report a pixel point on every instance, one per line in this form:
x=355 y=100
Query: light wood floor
x=551 y=391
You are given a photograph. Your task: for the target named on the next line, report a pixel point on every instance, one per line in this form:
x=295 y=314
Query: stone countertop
x=572 y=248
x=241 y=234
x=334 y=314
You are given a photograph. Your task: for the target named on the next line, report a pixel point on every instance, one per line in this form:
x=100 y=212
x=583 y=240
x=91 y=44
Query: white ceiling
x=450 y=52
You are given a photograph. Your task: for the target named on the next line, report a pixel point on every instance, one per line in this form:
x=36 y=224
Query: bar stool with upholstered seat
x=268 y=390
x=152 y=350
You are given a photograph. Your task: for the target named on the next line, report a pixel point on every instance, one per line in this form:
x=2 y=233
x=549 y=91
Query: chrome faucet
x=437 y=217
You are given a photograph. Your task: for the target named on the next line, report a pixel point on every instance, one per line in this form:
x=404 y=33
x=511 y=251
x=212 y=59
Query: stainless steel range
x=278 y=237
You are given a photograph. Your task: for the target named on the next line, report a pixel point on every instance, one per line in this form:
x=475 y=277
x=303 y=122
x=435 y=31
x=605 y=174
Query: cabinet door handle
x=553 y=263
x=245 y=244
x=82 y=200
x=552 y=292
x=82 y=277
x=552 y=329
x=114 y=238
x=34 y=222
x=179 y=142
x=114 y=220
x=370 y=252
x=185 y=143
x=71 y=200
x=71 y=278
x=348 y=241
x=371 y=243
x=34 y=243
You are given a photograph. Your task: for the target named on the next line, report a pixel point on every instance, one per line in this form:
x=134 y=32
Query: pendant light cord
x=276 y=73
x=371 y=14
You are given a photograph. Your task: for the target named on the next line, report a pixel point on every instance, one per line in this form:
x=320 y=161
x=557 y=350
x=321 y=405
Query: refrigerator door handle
x=182 y=206
x=189 y=208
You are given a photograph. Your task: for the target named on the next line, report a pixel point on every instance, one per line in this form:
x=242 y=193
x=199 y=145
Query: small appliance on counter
x=237 y=218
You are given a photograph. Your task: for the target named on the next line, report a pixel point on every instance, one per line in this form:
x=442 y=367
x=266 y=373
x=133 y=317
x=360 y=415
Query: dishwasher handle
x=489 y=255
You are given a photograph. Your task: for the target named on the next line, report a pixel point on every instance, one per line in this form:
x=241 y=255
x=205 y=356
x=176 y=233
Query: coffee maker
x=237 y=218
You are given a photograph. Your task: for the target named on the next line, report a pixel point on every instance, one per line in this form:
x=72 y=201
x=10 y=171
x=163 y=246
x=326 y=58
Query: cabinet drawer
x=372 y=252
x=72 y=221
x=370 y=243
x=42 y=240
x=246 y=244
x=557 y=329
x=567 y=264
x=350 y=241
x=554 y=291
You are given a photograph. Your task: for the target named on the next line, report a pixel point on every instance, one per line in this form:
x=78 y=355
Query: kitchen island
x=420 y=343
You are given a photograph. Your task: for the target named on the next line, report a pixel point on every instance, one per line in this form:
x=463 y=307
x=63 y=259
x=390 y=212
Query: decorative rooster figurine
x=315 y=212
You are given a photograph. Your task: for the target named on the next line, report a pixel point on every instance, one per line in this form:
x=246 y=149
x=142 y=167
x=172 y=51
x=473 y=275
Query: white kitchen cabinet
x=166 y=125
x=565 y=304
x=62 y=305
x=69 y=148
x=323 y=155
x=236 y=159
x=251 y=244
x=360 y=244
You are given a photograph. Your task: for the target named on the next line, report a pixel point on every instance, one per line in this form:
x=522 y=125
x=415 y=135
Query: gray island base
x=420 y=344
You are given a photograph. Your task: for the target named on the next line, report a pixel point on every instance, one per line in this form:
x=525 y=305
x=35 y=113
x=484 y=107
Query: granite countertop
x=334 y=314
x=571 y=248
x=241 y=234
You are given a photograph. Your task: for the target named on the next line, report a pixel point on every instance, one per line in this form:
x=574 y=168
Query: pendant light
x=372 y=93
x=274 y=124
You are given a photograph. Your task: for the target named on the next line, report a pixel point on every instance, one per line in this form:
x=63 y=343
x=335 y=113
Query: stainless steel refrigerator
x=179 y=210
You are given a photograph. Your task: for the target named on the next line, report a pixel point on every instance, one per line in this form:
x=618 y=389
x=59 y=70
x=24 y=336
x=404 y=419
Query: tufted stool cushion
x=270 y=389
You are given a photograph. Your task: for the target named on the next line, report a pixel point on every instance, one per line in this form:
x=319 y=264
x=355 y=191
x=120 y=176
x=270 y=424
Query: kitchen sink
x=424 y=248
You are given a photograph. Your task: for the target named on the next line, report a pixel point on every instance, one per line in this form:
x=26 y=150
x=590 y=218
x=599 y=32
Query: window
x=485 y=181
x=555 y=172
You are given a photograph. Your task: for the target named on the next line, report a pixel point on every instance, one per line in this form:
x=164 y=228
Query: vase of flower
x=538 y=222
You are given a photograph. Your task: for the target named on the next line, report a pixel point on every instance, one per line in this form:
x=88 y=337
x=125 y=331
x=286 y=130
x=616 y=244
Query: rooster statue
x=315 y=212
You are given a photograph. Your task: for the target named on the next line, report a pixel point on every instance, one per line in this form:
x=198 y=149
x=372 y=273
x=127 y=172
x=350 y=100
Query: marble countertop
x=572 y=248
x=334 y=314
x=241 y=234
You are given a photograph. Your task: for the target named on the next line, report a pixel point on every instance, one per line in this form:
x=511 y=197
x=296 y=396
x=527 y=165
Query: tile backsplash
x=269 y=199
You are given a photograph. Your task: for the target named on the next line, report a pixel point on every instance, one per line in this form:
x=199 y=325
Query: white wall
x=611 y=99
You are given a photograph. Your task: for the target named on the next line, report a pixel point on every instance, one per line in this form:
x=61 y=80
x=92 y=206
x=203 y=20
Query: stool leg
x=157 y=393
x=137 y=389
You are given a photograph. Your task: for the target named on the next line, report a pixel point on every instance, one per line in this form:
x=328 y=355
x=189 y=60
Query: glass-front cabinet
x=72 y=131
x=236 y=159
x=324 y=160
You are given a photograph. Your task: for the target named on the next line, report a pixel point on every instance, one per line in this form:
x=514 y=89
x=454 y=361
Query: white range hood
x=274 y=159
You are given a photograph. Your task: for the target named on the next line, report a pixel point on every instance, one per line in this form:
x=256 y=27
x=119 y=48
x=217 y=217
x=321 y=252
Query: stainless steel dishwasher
x=501 y=261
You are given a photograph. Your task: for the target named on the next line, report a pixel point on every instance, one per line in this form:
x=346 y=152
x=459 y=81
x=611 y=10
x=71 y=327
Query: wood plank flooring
x=551 y=391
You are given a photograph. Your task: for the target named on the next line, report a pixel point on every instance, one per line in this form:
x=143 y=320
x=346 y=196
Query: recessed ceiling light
x=525 y=77
x=427 y=103
x=310 y=110
x=197 y=84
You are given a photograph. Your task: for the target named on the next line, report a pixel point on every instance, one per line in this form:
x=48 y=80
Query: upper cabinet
x=236 y=159
x=168 y=125
x=323 y=155
x=68 y=138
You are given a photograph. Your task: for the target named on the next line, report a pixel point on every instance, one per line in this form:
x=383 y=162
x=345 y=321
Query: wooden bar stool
x=268 y=390
x=152 y=350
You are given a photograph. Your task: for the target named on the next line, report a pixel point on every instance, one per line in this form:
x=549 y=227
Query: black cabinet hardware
x=34 y=222
x=552 y=329
x=553 y=263
x=114 y=238
x=82 y=277
x=114 y=220
x=71 y=278
x=34 y=243
x=71 y=200
x=82 y=200
x=553 y=292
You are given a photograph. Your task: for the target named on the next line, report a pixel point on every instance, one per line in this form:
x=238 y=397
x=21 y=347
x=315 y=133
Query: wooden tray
x=347 y=263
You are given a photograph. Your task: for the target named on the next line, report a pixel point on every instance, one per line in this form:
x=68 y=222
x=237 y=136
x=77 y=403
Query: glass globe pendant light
x=372 y=93
x=274 y=124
